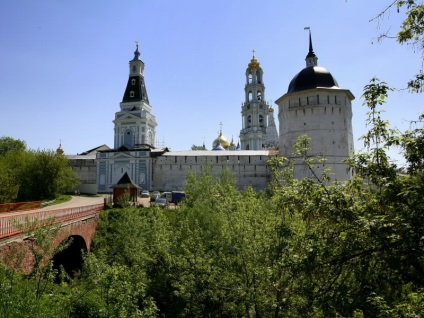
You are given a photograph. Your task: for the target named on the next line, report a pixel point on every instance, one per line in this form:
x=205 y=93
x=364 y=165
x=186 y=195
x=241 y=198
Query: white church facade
x=313 y=104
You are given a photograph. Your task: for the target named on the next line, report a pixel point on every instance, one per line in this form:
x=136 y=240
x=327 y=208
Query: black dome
x=312 y=77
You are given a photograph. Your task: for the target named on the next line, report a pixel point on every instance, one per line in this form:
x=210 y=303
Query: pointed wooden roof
x=125 y=182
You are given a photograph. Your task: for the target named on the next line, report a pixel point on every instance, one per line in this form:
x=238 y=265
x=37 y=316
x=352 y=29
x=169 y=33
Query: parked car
x=173 y=197
x=160 y=202
x=154 y=197
x=145 y=194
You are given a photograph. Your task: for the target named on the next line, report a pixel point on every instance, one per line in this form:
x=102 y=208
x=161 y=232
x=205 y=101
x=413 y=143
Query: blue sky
x=64 y=64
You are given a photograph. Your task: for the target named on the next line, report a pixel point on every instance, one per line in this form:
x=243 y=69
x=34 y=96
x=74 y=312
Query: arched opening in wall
x=70 y=257
x=249 y=121
x=261 y=121
x=249 y=96
x=259 y=96
x=247 y=147
x=258 y=77
x=249 y=78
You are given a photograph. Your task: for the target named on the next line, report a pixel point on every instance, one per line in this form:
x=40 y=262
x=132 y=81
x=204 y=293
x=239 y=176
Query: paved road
x=82 y=201
x=75 y=202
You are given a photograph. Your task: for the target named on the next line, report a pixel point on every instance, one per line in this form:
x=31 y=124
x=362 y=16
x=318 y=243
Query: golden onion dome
x=254 y=64
x=222 y=140
x=59 y=150
x=271 y=110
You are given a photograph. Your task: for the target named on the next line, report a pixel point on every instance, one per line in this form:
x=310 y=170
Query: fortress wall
x=171 y=171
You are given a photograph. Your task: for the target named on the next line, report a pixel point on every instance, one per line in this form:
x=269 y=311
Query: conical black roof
x=125 y=182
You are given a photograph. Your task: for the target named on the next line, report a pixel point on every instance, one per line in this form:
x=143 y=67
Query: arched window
x=258 y=77
x=249 y=78
x=132 y=94
x=249 y=121
x=134 y=69
x=261 y=121
x=133 y=81
x=250 y=96
x=259 y=96
x=247 y=147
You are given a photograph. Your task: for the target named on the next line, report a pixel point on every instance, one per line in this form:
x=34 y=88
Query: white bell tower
x=254 y=110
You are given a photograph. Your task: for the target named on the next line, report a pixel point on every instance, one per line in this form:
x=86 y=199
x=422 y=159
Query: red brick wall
x=17 y=253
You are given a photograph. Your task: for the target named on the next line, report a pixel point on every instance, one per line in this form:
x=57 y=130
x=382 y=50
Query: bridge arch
x=78 y=223
x=71 y=257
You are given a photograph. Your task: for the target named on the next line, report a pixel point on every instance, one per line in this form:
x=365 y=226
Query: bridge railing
x=18 y=223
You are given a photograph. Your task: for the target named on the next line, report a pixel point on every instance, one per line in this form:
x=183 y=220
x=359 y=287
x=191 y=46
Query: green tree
x=10 y=150
x=194 y=147
x=8 y=144
x=9 y=186
x=34 y=175
x=411 y=32
x=124 y=200
x=33 y=293
x=136 y=242
x=113 y=290
x=44 y=175
x=18 y=299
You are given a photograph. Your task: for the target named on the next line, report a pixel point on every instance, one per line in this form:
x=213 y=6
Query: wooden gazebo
x=125 y=184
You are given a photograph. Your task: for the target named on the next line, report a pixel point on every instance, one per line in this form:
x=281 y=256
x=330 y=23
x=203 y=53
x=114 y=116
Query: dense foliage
x=32 y=175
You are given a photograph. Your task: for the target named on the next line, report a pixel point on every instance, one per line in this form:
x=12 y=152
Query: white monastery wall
x=85 y=168
x=170 y=170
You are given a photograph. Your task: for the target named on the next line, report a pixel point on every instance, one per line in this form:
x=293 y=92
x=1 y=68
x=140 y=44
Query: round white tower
x=315 y=105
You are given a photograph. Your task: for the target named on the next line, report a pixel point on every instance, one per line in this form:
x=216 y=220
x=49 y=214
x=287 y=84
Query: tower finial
x=59 y=150
x=136 y=52
x=253 y=51
x=311 y=58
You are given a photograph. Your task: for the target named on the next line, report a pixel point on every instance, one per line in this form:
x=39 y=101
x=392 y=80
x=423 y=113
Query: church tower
x=271 y=140
x=254 y=110
x=134 y=123
x=135 y=130
x=315 y=105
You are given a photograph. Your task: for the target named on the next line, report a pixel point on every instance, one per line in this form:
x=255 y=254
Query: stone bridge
x=72 y=224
